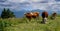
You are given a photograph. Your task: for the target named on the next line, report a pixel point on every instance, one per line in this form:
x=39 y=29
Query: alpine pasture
x=21 y=24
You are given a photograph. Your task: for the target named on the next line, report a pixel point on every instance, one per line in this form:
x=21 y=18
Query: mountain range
x=20 y=13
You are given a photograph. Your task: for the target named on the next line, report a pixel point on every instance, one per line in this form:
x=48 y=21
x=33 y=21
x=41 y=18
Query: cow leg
x=37 y=18
x=29 y=19
x=44 y=20
x=26 y=19
x=52 y=17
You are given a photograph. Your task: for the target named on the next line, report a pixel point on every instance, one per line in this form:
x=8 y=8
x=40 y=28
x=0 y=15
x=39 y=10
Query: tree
x=4 y=12
x=10 y=13
x=7 y=13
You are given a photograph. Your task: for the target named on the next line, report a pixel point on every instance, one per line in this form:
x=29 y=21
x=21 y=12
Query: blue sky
x=17 y=5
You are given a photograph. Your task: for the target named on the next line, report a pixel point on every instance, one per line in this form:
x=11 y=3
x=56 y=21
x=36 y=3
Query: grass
x=20 y=24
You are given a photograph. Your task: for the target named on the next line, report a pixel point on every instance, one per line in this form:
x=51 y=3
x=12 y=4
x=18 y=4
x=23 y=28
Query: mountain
x=20 y=13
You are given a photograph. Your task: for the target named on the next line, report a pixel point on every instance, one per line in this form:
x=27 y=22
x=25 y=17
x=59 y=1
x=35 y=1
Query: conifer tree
x=6 y=13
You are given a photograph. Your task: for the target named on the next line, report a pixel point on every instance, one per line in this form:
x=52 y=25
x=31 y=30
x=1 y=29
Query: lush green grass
x=21 y=24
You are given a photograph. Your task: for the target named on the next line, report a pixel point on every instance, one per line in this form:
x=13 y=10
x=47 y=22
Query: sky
x=17 y=5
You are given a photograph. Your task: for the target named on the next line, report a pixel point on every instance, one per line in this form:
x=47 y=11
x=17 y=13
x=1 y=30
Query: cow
x=53 y=15
x=31 y=15
x=35 y=15
x=44 y=17
x=28 y=16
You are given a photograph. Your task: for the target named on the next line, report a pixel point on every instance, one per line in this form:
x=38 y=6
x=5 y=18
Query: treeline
x=7 y=13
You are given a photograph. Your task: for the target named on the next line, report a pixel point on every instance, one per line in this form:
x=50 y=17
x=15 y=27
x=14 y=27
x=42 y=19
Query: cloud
x=30 y=4
x=57 y=0
x=3 y=0
x=17 y=1
x=56 y=7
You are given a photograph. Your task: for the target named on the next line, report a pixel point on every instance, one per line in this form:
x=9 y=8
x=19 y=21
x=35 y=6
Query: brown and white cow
x=35 y=15
x=53 y=15
x=31 y=15
x=44 y=16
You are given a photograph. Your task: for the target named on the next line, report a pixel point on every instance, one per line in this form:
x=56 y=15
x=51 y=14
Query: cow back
x=44 y=14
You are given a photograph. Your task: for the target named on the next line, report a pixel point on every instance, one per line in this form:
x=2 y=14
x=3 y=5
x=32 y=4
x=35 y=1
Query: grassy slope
x=19 y=24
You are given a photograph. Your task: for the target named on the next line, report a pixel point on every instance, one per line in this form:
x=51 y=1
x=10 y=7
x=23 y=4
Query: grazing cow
x=35 y=15
x=44 y=16
x=28 y=15
x=53 y=15
x=32 y=15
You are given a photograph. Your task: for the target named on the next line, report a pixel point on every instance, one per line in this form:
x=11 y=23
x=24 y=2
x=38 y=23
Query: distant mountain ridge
x=20 y=13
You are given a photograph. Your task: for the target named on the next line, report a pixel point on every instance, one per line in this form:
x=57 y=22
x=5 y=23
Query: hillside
x=20 y=24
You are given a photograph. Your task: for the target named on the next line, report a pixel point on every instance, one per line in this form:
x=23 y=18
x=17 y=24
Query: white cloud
x=32 y=4
x=36 y=0
x=17 y=1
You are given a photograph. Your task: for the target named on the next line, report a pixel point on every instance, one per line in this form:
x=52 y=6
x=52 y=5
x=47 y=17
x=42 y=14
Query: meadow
x=21 y=24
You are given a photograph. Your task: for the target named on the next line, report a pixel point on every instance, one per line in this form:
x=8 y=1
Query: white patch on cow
x=31 y=13
x=45 y=19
